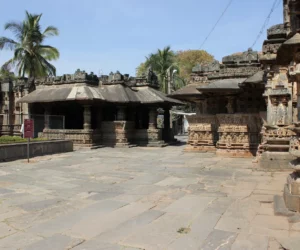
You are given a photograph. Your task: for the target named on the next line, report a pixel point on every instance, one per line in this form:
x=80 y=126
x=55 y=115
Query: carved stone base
x=202 y=133
x=235 y=153
x=83 y=137
x=275 y=160
x=200 y=149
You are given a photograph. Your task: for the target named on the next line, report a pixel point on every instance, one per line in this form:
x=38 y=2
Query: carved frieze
x=202 y=131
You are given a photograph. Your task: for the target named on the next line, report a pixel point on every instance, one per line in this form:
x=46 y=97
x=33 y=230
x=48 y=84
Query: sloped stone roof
x=116 y=93
x=223 y=84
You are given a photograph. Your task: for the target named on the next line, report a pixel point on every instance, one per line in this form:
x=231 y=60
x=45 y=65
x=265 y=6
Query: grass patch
x=183 y=230
x=17 y=139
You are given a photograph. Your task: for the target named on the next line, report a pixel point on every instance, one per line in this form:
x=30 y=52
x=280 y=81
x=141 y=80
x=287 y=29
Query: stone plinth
x=78 y=136
x=118 y=133
x=202 y=133
x=149 y=137
x=238 y=135
x=273 y=152
x=291 y=193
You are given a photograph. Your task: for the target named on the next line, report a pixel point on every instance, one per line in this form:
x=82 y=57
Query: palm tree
x=31 y=57
x=162 y=62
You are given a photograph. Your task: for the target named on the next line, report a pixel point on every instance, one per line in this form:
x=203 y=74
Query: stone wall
x=9 y=152
x=233 y=135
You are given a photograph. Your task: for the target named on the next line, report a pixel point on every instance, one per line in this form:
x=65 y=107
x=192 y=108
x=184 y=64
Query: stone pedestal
x=202 y=133
x=117 y=133
x=238 y=135
x=273 y=152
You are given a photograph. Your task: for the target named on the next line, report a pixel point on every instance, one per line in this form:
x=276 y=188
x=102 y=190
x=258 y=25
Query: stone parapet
x=9 y=152
x=78 y=136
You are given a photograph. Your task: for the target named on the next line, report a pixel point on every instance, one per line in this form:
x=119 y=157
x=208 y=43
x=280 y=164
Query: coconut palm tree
x=31 y=57
x=162 y=62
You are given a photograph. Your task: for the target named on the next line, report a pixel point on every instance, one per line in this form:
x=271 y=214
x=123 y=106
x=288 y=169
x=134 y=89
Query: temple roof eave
x=231 y=84
x=118 y=93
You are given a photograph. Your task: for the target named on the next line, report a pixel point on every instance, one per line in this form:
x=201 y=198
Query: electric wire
x=214 y=27
x=274 y=6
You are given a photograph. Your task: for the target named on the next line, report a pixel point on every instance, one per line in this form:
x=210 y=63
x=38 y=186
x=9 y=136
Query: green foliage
x=31 y=57
x=5 y=139
x=4 y=74
x=165 y=62
x=187 y=59
x=161 y=62
x=141 y=70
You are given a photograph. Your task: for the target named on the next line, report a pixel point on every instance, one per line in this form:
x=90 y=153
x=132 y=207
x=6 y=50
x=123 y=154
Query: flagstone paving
x=141 y=198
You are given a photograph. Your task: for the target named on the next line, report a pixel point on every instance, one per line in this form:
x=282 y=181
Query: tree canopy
x=181 y=61
x=31 y=57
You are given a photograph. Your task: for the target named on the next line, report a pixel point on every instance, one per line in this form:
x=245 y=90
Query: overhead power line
x=213 y=28
x=274 y=6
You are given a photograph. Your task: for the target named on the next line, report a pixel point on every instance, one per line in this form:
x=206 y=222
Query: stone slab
x=200 y=228
x=127 y=228
x=57 y=241
x=64 y=222
x=246 y=241
x=90 y=227
x=189 y=204
x=40 y=205
x=220 y=240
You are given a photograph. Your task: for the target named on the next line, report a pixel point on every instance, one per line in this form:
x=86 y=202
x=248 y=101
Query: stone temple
x=246 y=106
x=114 y=110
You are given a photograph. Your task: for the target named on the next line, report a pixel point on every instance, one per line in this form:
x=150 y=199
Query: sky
x=101 y=36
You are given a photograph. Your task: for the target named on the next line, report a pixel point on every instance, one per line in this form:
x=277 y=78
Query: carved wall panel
x=202 y=133
x=239 y=134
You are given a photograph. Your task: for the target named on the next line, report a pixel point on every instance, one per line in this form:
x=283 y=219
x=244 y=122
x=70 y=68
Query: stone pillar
x=153 y=118
x=121 y=114
x=47 y=117
x=87 y=117
x=230 y=104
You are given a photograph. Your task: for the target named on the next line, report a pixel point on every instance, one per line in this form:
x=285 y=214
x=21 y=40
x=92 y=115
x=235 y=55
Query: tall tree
x=31 y=57
x=187 y=59
x=181 y=61
x=162 y=63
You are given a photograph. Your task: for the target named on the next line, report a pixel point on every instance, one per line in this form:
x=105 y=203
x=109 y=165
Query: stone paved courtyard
x=140 y=198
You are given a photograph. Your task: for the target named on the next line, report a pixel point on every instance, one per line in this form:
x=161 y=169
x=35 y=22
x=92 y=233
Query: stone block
x=275 y=160
x=57 y=241
x=219 y=240
x=246 y=241
x=292 y=202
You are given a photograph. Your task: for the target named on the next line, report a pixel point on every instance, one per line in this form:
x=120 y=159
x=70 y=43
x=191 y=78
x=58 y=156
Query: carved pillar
x=121 y=114
x=87 y=117
x=152 y=118
x=47 y=117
